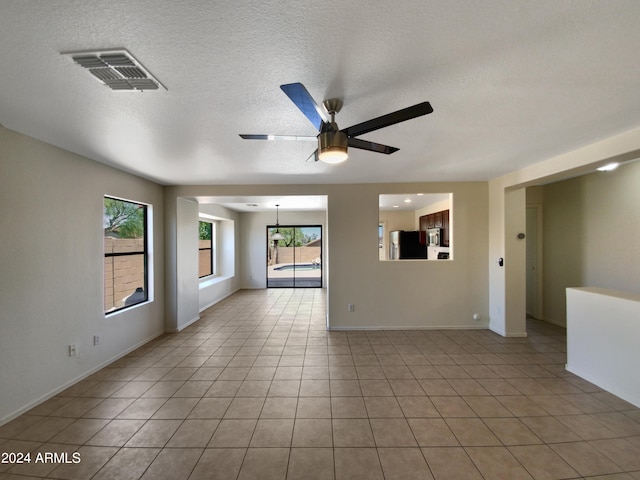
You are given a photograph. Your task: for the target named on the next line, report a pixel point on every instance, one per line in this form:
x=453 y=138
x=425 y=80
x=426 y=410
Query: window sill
x=212 y=280
x=113 y=313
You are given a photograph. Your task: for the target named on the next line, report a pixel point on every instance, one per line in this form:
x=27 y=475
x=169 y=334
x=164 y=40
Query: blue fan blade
x=305 y=102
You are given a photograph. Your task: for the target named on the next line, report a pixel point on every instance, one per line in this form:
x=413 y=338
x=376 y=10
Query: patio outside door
x=295 y=261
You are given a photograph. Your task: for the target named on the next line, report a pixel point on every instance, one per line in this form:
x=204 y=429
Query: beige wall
x=507 y=317
x=591 y=226
x=410 y=294
x=402 y=220
x=51 y=280
x=52 y=300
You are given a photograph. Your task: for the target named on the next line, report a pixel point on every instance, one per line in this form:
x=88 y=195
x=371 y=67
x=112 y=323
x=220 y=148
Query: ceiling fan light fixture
x=333 y=142
x=332 y=147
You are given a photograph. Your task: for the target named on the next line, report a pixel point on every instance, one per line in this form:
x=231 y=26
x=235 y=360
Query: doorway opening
x=534 y=261
x=294 y=257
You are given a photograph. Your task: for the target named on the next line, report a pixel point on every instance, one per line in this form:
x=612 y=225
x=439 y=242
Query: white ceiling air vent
x=117 y=69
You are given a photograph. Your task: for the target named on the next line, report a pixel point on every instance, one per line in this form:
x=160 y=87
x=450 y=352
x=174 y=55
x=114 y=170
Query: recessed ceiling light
x=117 y=69
x=396 y=206
x=408 y=200
x=608 y=167
x=420 y=194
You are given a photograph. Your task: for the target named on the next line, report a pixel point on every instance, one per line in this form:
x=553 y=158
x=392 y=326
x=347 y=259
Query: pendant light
x=277 y=236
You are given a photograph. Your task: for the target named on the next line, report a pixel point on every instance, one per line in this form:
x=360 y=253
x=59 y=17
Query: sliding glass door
x=294 y=257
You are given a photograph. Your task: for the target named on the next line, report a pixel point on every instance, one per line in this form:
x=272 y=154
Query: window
x=126 y=268
x=206 y=244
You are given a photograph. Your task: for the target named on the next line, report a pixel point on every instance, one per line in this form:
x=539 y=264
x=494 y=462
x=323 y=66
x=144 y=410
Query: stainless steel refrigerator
x=406 y=245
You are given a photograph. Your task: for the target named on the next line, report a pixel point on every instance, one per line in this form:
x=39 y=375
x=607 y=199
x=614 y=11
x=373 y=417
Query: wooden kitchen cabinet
x=424 y=223
x=429 y=220
x=445 y=228
x=437 y=220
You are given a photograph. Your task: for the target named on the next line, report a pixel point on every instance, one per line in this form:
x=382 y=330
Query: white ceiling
x=410 y=202
x=305 y=203
x=511 y=83
x=291 y=203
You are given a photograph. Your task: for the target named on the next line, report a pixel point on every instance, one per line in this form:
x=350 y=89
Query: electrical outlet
x=351 y=307
x=73 y=350
x=96 y=339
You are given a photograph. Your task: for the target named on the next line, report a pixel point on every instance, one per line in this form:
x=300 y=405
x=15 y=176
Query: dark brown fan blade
x=305 y=102
x=374 y=147
x=388 y=119
x=279 y=137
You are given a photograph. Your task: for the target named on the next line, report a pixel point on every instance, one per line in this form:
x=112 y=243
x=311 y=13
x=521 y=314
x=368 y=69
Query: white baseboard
x=62 y=388
x=503 y=333
x=182 y=327
x=412 y=327
x=218 y=300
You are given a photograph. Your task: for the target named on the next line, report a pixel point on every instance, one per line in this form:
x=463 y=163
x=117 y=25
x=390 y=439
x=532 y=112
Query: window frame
x=146 y=252
x=382 y=241
x=269 y=244
x=213 y=248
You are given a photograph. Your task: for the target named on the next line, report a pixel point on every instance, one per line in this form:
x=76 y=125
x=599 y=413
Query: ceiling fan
x=333 y=142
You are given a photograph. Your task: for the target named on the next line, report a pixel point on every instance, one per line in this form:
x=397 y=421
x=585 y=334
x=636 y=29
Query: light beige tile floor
x=258 y=389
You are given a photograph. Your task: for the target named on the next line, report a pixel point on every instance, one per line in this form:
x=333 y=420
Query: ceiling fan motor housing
x=332 y=106
x=332 y=146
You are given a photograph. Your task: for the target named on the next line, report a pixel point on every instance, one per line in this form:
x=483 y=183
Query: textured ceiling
x=511 y=83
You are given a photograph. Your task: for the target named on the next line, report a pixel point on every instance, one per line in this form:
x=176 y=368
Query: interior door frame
x=538 y=307
x=268 y=242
